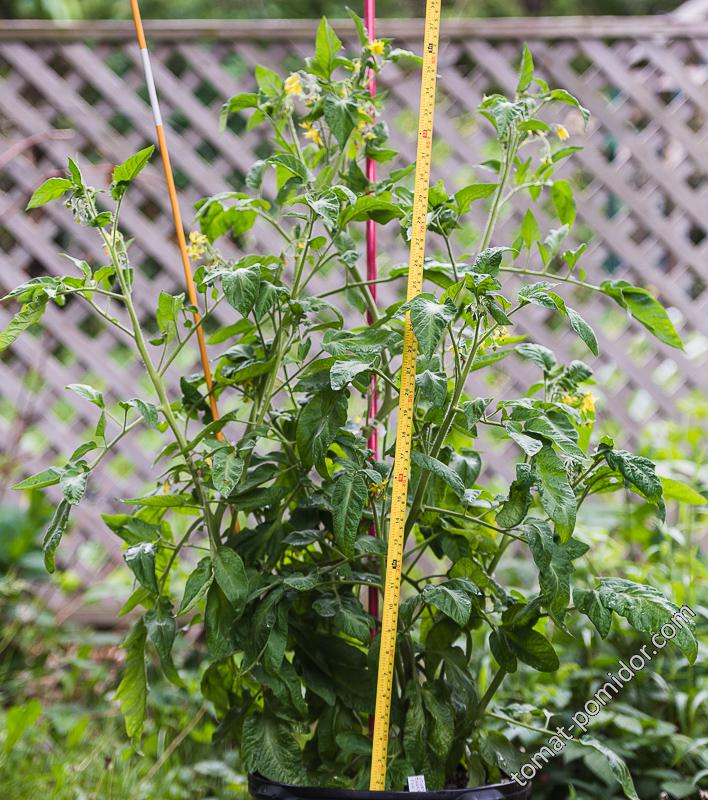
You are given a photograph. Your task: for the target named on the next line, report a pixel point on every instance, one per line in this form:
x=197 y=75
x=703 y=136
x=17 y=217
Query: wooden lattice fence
x=640 y=181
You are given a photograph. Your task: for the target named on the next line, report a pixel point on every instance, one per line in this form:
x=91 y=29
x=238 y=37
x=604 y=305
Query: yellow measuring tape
x=404 y=431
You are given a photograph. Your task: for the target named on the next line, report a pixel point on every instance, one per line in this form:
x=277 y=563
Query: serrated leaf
x=230 y=575
x=133 y=688
x=348 y=500
x=540 y=355
x=51 y=189
x=292 y=164
x=557 y=496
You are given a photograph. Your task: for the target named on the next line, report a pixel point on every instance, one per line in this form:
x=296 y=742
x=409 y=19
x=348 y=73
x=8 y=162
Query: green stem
x=491 y=691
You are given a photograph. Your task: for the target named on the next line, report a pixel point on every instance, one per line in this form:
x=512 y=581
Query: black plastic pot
x=263 y=789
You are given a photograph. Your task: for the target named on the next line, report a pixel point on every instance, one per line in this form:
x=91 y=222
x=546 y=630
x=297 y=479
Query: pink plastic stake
x=372 y=275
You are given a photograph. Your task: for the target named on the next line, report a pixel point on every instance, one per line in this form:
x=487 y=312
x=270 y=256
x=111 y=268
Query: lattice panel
x=640 y=183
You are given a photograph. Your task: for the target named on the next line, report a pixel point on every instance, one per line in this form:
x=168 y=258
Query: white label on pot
x=416 y=783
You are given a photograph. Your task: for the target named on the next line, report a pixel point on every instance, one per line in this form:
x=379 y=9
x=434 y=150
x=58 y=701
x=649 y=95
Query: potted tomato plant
x=267 y=510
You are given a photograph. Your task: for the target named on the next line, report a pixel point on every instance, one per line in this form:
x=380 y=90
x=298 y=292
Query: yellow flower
x=588 y=402
x=500 y=333
x=356 y=65
x=376 y=47
x=568 y=399
x=293 y=84
x=197 y=244
x=311 y=133
x=562 y=133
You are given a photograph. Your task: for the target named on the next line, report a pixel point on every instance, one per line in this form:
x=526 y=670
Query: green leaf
x=677 y=490
x=432 y=386
x=557 y=428
x=29 y=314
x=525 y=71
x=47 y=477
x=451 y=599
x=615 y=762
x=140 y=558
x=440 y=470
x=226 y=470
x=368 y=207
x=161 y=630
x=292 y=164
x=489 y=260
x=148 y=411
x=269 y=748
x=441 y=718
x=532 y=648
x=73 y=483
x=429 y=320
x=584 y=331
x=342 y=373
x=230 y=575
x=563 y=201
x=646 y=610
x=162 y=501
x=18 y=720
x=501 y=650
x=88 y=393
x=557 y=496
x=645 y=308
x=126 y=172
x=268 y=81
x=219 y=620
x=517 y=504
x=327 y=45
x=476 y=191
x=51 y=189
x=198 y=582
x=529 y=231
x=555 y=565
x=563 y=96
x=340 y=114
x=133 y=688
x=318 y=424
x=348 y=501
x=241 y=288
x=54 y=533
x=587 y=601
x=540 y=355
x=639 y=472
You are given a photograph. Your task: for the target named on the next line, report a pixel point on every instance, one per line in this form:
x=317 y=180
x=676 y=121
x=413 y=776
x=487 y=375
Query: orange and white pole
x=174 y=202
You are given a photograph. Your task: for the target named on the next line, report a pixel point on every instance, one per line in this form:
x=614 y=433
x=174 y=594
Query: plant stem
x=490 y=692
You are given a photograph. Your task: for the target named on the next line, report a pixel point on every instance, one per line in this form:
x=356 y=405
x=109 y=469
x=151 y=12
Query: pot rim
x=256 y=781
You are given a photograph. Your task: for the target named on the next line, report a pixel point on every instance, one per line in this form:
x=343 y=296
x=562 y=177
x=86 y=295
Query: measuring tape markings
x=404 y=429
